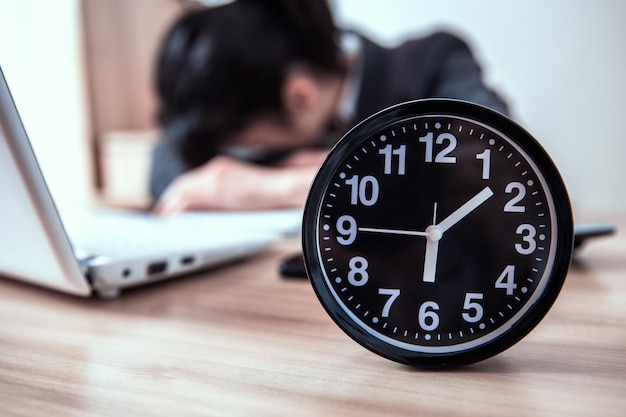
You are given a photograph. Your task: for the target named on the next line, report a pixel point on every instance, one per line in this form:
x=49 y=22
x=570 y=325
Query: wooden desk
x=241 y=340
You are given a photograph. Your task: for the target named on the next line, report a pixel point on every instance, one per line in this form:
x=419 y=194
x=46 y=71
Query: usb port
x=187 y=260
x=156 y=268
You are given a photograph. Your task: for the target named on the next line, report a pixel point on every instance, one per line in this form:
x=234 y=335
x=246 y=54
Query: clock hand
x=430 y=260
x=465 y=209
x=393 y=231
x=433 y=236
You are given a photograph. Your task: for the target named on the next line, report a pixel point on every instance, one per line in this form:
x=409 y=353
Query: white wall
x=561 y=64
x=40 y=55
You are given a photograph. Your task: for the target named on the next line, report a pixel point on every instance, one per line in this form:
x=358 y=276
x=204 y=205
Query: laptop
x=114 y=250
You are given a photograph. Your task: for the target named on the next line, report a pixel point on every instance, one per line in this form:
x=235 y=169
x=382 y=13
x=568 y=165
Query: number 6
x=427 y=311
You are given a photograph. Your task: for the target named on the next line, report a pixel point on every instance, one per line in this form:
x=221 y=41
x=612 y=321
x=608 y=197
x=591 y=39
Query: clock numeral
x=346 y=226
x=393 y=293
x=442 y=156
x=486 y=158
x=512 y=206
x=364 y=191
x=358 y=275
x=529 y=239
x=427 y=317
x=471 y=305
x=389 y=152
x=506 y=280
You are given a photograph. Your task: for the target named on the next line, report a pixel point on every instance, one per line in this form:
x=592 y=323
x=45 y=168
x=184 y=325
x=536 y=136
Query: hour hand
x=471 y=205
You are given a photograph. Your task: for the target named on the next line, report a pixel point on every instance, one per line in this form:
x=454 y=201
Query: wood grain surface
x=242 y=341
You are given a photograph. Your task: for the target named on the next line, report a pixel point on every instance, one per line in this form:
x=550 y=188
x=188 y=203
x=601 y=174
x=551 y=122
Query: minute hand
x=465 y=209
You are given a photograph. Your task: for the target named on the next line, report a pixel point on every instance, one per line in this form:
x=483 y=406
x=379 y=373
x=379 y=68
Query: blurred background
x=80 y=71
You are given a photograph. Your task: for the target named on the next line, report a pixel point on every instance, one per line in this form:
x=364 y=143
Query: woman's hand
x=224 y=183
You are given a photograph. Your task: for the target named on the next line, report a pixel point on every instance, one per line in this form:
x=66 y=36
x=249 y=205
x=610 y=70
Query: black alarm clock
x=437 y=233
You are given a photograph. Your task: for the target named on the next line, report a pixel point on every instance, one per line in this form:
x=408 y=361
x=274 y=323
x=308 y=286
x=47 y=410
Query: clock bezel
x=457 y=109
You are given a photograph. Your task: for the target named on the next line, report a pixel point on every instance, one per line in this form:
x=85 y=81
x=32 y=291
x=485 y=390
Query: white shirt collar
x=352 y=47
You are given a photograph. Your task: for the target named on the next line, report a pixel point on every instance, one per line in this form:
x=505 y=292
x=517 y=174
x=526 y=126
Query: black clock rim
x=495 y=120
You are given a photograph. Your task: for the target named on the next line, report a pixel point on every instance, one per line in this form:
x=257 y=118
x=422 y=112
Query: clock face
x=437 y=233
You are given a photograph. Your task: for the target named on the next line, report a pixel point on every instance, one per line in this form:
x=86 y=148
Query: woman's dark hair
x=220 y=69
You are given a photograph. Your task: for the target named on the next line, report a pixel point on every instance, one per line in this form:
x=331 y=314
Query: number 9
x=349 y=232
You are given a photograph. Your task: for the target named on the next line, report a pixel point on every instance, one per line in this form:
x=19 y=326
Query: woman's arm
x=224 y=183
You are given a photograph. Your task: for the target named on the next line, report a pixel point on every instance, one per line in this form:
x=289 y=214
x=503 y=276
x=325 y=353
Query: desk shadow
x=514 y=365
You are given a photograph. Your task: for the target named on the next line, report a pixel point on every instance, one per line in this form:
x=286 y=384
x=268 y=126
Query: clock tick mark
x=481 y=326
x=492 y=142
x=383 y=138
x=344 y=289
x=427 y=337
x=403 y=129
x=524 y=290
x=437 y=125
x=326 y=227
x=374 y=319
x=517 y=164
x=471 y=132
x=500 y=148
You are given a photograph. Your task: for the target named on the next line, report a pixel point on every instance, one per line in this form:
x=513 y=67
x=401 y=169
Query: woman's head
x=223 y=71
